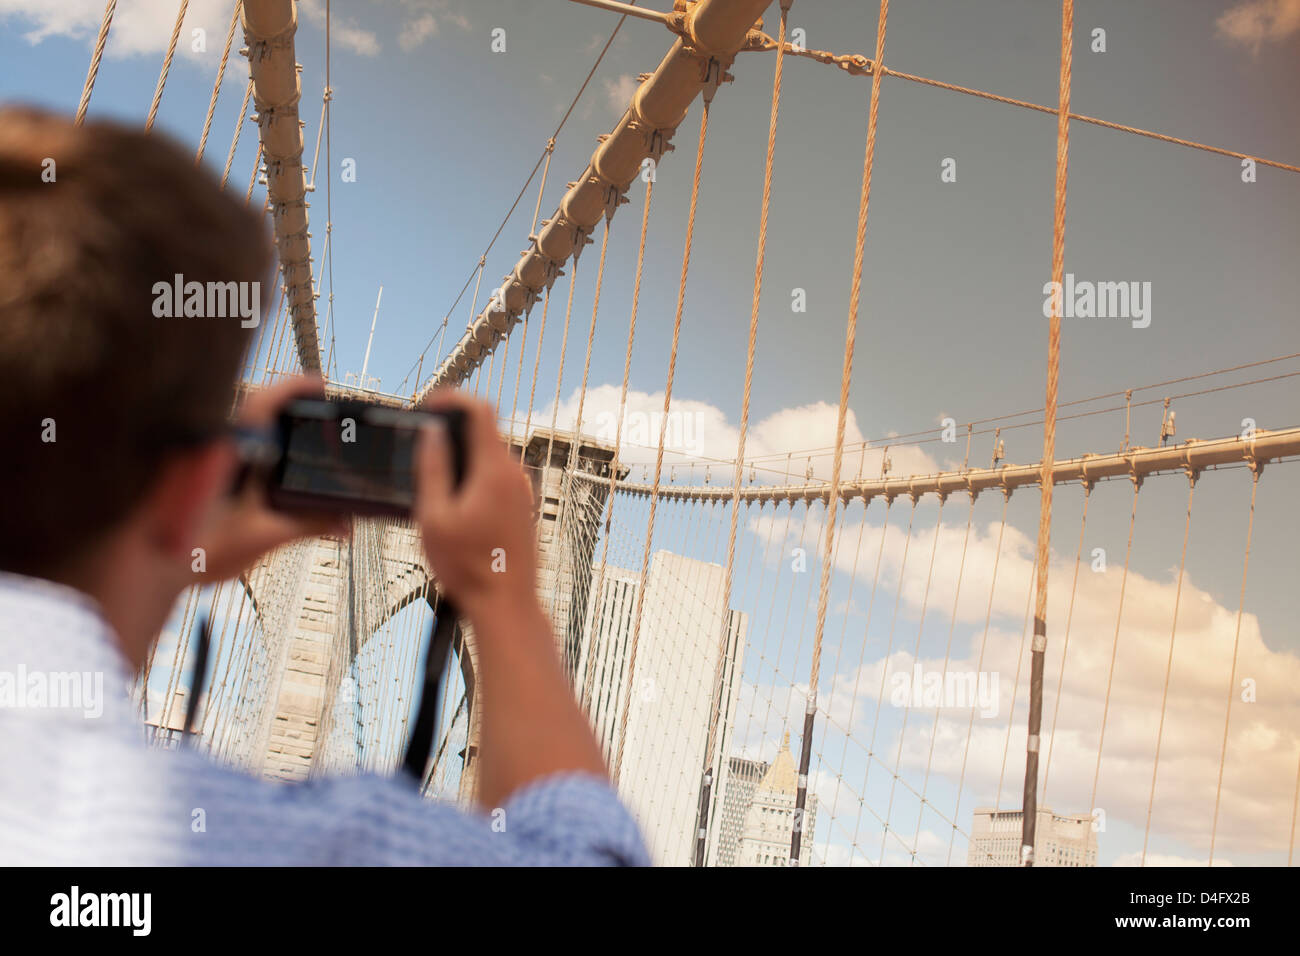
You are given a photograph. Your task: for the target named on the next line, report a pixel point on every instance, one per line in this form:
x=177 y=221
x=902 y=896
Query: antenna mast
x=365 y=364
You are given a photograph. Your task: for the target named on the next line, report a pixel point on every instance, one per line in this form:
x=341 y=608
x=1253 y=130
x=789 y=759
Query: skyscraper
x=688 y=656
x=771 y=817
x=743 y=777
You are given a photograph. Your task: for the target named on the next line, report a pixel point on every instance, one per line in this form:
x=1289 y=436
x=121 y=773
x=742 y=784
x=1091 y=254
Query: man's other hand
x=479 y=537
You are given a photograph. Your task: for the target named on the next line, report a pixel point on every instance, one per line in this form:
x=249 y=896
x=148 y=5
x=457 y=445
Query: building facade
x=1062 y=839
x=743 y=778
x=689 y=655
x=771 y=817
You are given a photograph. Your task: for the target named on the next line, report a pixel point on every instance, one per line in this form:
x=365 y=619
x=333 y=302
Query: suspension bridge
x=814 y=656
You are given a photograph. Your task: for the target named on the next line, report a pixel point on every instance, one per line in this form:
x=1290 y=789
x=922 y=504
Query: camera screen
x=365 y=457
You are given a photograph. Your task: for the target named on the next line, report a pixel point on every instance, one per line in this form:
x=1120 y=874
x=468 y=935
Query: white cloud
x=847 y=607
x=702 y=433
x=416 y=31
x=1259 y=773
x=144 y=28
x=1252 y=23
x=344 y=32
x=139 y=28
x=439 y=11
x=618 y=93
x=1258 y=787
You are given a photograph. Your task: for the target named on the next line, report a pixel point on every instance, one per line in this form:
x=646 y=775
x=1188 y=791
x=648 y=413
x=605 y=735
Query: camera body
x=353 y=457
x=356 y=458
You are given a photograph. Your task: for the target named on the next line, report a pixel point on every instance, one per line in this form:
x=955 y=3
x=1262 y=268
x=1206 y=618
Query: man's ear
x=187 y=488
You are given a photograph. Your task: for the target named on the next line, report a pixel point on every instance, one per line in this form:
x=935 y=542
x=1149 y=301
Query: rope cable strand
x=858 y=65
x=234 y=140
x=663 y=435
x=1255 y=469
x=166 y=66
x=1039 y=647
x=850 y=342
x=608 y=509
x=709 y=771
x=216 y=85
x=92 y=71
x=546 y=155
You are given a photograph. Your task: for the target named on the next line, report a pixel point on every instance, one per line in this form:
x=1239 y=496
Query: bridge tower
x=317 y=591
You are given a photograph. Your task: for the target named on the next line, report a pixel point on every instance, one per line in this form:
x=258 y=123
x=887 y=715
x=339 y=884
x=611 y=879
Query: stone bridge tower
x=303 y=597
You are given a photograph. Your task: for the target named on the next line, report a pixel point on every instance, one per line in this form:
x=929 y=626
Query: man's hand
x=243 y=526
x=479 y=537
x=480 y=540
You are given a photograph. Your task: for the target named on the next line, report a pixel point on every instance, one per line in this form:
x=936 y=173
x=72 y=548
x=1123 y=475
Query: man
x=118 y=461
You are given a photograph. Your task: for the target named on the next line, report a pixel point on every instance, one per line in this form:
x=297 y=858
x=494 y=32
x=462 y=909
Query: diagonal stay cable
x=550 y=145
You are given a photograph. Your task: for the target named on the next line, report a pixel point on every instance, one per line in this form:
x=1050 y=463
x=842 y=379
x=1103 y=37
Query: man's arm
x=531 y=725
x=480 y=541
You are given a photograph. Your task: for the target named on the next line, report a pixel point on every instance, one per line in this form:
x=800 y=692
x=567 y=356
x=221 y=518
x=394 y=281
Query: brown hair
x=91 y=218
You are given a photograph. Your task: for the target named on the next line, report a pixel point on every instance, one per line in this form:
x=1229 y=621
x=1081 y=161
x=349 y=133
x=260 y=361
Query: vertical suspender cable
x=833 y=500
x=93 y=71
x=1039 y=647
x=608 y=512
x=709 y=770
x=1065 y=646
x=252 y=179
x=216 y=87
x=1114 y=647
x=947 y=655
x=166 y=67
x=555 y=406
x=979 y=666
x=523 y=346
x=1169 y=664
x=663 y=429
x=328 y=114
x=1255 y=468
x=537 y=363
x=234 y=140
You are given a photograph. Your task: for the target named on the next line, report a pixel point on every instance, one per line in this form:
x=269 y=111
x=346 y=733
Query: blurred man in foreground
x=119 y=457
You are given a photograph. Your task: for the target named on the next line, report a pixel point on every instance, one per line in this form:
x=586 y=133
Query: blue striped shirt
x=79 y=785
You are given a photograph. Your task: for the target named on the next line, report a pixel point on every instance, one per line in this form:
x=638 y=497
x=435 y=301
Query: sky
x=444 y=131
